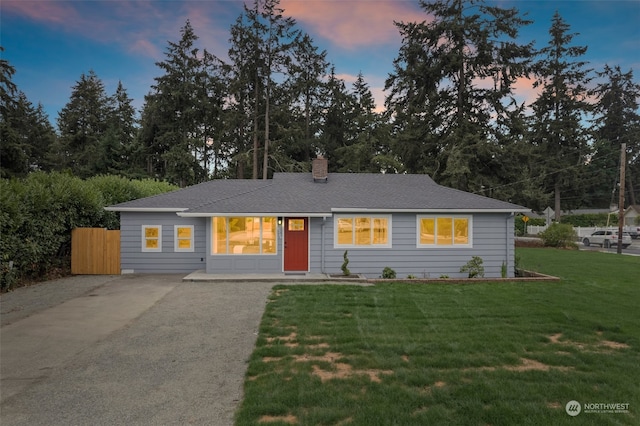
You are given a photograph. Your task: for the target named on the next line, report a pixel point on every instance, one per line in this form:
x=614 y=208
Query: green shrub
x=117 y=189
x=38 y=213
x=149 y=187
x=345 y=270
x=559 y=235
x=474 y=267
x=588 y=220
x=388 y=273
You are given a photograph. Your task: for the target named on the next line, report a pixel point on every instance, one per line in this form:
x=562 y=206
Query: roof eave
x=444 y=210
x=146 y=209
x=253 y=214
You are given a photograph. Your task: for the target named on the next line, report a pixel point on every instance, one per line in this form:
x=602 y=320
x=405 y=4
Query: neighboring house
x=631 y=215
x=299 y=222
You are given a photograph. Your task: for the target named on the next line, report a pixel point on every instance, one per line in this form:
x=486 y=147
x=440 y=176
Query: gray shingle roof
x=298 y=193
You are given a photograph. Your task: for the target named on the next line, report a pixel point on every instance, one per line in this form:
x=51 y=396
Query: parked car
x=633 y=230
x=607 y=238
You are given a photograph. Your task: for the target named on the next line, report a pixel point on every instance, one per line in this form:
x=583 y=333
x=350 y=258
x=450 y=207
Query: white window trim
x=176 y=246
x=144 y=239
x=364 y=247
x=439 y=246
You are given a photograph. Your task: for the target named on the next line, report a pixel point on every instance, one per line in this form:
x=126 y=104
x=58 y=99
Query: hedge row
x=577 y=220
x=38 y=213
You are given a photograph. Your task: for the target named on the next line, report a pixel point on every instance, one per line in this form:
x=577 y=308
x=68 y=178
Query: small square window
x=295 y=225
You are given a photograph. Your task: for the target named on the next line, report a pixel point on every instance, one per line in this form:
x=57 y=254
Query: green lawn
x=486 y=354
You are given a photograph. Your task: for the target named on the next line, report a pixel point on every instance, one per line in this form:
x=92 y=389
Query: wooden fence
x=95 y=251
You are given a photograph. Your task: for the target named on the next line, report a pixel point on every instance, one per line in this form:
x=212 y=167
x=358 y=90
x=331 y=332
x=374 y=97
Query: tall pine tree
x=453 y=76
x=558 y=118
x=172 y=119
x=617 y=121
x=82 y=123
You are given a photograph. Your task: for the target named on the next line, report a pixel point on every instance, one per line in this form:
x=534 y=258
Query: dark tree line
x=451 y=112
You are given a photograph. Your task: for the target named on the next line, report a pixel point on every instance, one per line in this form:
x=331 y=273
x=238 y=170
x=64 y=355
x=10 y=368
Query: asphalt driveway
x=123 y=350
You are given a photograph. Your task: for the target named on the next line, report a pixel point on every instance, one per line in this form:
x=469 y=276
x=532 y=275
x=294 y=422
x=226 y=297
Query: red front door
x=296 y=244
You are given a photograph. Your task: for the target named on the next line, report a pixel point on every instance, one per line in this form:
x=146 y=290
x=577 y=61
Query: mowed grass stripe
x=498 y=353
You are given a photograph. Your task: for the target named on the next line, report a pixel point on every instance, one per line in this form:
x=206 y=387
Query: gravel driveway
x=123 y=350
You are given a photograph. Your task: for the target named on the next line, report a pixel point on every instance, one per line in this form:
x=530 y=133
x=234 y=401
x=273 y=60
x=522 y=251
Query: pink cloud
x=145 y=48
x=524 y=90
x=138 y=26
x=212 y=35
x=353 y=24
x=43 y=11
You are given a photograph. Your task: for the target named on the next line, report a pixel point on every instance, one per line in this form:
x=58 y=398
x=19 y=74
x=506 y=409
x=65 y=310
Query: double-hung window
x=183 y=238
x=151 y=238
x=444 y=230
x=362 y=231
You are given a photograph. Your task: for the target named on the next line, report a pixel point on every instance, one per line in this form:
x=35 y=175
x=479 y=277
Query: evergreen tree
x=82 y=123
x=366 y=148
x=280 y=36
x=214 y=149
x=338 y=120
x=307 y=96
x=454 y=75
x=171 y=116
x=26 y=133
x=12 y=157
x=559 y=113
x=118 y=144
x=8 y=89
x=13 y=119
x=243 y=112
x=264 y=38
x=617 y=121
x=41 y=137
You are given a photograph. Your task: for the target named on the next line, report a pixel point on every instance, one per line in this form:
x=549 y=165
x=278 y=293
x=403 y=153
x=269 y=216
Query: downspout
x=324 y=221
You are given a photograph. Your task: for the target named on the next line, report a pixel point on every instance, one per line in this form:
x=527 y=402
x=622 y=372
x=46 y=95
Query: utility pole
x=623 y=164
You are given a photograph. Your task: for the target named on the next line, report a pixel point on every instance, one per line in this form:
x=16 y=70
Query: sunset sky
x=51 y=43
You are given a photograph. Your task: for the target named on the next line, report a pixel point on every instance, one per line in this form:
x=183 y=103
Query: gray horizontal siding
x=492 y=235
x=492 y=241
x=167 y=261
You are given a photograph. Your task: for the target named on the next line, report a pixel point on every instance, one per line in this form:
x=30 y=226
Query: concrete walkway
x=138 y=349
x=301 y=278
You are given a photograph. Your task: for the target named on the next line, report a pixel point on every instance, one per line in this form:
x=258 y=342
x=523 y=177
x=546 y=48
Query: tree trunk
x=255 y=135
x=265 y=160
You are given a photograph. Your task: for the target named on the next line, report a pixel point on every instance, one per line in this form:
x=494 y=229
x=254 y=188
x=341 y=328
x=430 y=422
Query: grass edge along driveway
x=498 y=353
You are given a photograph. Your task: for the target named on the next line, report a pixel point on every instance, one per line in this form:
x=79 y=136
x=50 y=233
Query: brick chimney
x=320 y=169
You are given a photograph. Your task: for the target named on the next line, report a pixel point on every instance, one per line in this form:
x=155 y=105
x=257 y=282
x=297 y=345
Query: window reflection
x=244 y=235
x=444 y=231
x=362 y=231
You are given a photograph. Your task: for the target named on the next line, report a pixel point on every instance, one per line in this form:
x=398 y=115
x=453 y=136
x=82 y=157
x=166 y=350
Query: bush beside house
x=38 y=213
